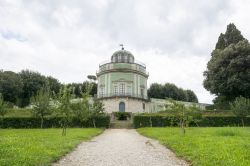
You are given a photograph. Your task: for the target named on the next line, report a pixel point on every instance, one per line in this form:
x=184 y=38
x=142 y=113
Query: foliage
x=39 y=147
x=32 y=83
x=92 y=77
x=51 y=122
x=19 y=88
x=241 y=107
x=232 y=36
x=171 y=91
x=122 y=115
x=228 y=72
x=184 y=114
x=3 y=106
x=42 y=104
x=206 y=146
x=96 y=109
x=79 y=88
x=161 y=120
x=11 y=86
x=54 y=85
x=64 y=107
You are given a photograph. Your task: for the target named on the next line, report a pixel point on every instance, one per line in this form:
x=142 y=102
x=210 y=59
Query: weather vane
x=122 y=46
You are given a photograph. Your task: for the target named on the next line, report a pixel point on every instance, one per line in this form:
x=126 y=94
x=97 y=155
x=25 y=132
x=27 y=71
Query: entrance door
x=121 y=107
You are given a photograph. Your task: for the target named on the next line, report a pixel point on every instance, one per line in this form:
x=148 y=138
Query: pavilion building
x=122 y=84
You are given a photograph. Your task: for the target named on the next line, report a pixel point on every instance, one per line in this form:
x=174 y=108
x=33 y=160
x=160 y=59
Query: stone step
x=121 y=124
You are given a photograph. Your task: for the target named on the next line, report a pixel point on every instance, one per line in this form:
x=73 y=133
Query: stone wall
x=131 y=105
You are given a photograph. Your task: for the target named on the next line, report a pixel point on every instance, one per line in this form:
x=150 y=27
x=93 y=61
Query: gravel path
x=121 y=147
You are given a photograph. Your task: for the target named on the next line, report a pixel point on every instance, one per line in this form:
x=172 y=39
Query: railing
x=135 y=62
x=122 y=95
x=107 y=67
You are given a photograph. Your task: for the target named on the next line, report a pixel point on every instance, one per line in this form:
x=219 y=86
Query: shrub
x=241 y=108
x=49 y=122
x=159 y=120
x=122 y=115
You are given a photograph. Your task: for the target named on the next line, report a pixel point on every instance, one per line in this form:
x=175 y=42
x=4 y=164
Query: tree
x=184 y=114
x=228 y=72
x=81 y=109
x=32 y=83
x=232 y=36
x=96 y=109
x=11 y=86
x=53 y=84
x=156 y=91
x=241 y=108
x=79 y=88
x=42 y=104
x=64 y=107
x=191 y=97
x=171 y=91
x=3 y=106
x=91 y=77
x=89 y=86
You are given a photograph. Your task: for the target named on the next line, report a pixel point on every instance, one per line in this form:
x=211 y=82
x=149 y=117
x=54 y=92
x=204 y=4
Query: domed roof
x=122 y=56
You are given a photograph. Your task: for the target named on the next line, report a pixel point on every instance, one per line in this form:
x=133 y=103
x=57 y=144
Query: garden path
x=121 y=147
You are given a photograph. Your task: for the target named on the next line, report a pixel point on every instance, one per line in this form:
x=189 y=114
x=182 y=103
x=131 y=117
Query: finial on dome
x=122 y=46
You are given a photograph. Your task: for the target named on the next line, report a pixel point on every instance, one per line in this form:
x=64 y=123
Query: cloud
x=68 y=39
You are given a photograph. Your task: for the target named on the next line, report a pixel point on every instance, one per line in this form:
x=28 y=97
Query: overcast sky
x=67 y=39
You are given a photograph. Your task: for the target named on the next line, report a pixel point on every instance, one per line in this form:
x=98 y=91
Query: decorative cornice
x=123 y=70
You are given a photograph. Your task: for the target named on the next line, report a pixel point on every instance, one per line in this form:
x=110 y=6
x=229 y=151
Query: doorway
x=122 y=107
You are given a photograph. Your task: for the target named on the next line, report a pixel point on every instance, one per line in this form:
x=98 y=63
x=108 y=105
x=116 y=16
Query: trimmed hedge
x=122 y=115
x=49 y=122
x=163 y=121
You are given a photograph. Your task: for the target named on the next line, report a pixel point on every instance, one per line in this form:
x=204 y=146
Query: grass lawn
x=39 y=146
x=222 y=146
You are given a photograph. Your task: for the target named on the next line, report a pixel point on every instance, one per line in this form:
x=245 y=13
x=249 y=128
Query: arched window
x=122 y=107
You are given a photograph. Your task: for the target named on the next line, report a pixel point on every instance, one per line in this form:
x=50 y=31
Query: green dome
x=122 y=56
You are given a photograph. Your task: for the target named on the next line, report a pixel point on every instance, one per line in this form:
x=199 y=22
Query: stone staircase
x=121 y=124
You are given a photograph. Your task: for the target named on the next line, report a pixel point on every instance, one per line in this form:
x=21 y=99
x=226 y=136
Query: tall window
x=115 y=90
x=122 y=88
x=129 y=90
x=101 y=91
x=142 y=92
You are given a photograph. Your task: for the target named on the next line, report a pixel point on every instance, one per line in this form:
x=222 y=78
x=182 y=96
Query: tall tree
x=171 y=91
x=3 y=106
x=155 y=91
x=191 y=97
x=53 y=84
x=228 y=72
x=11 y=86
x=32 y=83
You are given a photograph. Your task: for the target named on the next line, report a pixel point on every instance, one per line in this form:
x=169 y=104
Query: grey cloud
x=68 y=39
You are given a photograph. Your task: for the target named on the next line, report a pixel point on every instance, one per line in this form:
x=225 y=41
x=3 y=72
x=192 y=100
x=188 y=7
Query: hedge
x=163 y=121
x=49 y=122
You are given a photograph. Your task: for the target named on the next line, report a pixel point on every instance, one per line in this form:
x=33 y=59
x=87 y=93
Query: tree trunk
x=242 y=121
x=64 y=129
x=93 y=120
x=41 y=122
x=183 y=127
x=2 y=121
x=150 y=121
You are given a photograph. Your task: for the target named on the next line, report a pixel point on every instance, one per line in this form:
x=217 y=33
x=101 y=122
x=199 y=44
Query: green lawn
x=206 y=146
x=39 y=146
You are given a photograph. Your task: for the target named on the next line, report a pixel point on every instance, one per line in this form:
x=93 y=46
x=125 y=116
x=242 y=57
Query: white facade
x=131 y=105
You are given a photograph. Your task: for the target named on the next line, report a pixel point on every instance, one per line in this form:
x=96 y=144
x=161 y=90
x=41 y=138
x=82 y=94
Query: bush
x=167 y=120
x=49 y=122
x=122 y=115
